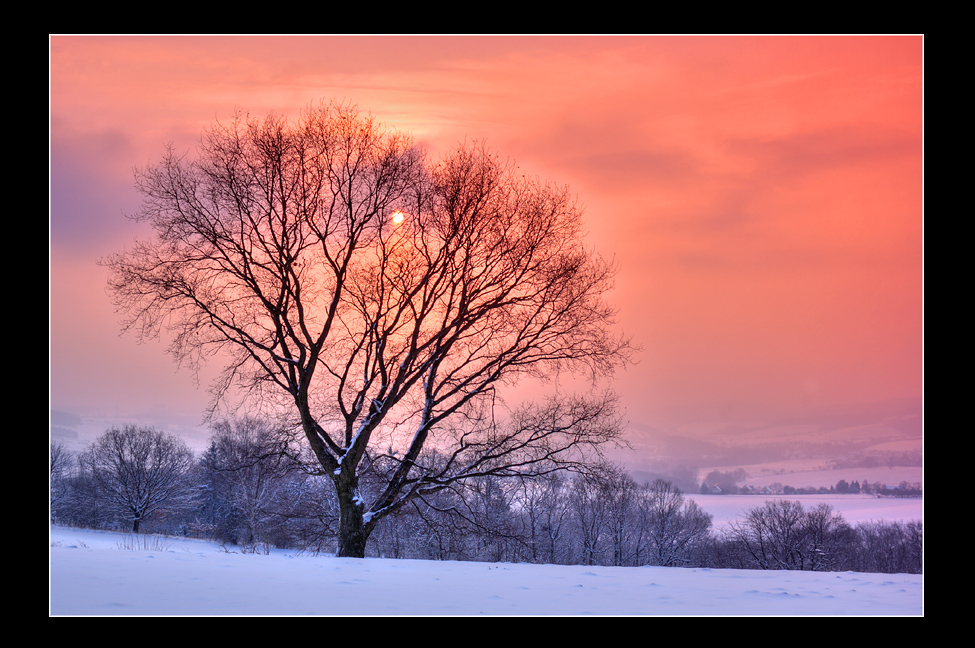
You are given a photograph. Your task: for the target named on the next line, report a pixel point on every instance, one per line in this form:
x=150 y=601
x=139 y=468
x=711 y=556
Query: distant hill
x=887 y=433
x=63 y=419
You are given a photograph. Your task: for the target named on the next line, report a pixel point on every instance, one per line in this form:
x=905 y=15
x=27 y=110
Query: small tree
x=887 y=547
x=673 y=524
x=827 y=536
x=589 y=503
x=138 y=471
x=623 y=528
x=782 y=535
x=772 y=534
x=60 y=467
x=245 y=466
x=546 y=517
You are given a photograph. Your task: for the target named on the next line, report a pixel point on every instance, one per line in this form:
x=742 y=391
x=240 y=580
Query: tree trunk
x=135 y=525
x=353 y=529
x=352 y=539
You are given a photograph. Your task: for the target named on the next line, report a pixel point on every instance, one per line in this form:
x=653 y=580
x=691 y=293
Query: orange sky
x=762 y=195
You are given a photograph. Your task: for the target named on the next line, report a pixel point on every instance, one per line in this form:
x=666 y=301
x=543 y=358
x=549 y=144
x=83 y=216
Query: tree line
x=253 y=489
x=726 y=483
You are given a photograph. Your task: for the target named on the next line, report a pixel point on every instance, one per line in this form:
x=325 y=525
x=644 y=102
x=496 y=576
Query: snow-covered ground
x=103 y=573
x=854 y=508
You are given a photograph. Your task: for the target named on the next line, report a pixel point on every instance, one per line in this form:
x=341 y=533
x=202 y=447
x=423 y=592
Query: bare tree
x=622 y=524
x=782 y=535
x=673 y=524
x=138 y=470
x=886 y=546
x=589 y=499
x=247 y=462
x=772 y=534
x=546 y=517
x=381 y=297
x=827 y=536
x=60 y=467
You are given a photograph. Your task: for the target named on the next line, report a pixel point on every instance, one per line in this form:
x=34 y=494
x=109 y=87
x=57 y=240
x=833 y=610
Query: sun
x=398 y=216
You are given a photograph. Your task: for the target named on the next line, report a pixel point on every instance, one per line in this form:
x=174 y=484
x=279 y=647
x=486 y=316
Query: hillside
x=882 y=442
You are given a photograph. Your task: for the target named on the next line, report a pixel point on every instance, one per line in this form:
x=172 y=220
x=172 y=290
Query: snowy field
x=102 y=573
x=854 y=508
